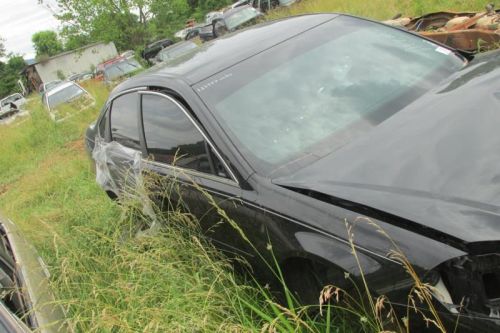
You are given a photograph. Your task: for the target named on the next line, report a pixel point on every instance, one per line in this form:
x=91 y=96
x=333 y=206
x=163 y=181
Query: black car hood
x=434 y=166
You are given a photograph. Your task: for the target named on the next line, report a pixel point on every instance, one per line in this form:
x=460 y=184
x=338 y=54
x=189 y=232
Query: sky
x=20 y=19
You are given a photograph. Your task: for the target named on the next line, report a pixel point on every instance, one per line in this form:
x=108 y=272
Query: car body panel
x=11 y=104
x=447 y=182
x=47 y=314
x=303 y=214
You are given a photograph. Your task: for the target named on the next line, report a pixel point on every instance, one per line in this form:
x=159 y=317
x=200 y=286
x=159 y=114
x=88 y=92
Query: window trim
x=232 y=176
x=109 y=109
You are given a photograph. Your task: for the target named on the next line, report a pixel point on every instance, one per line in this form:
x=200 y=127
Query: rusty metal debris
x=469 y=31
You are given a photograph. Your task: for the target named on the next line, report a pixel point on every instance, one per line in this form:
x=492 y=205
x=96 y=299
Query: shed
x=67 y=63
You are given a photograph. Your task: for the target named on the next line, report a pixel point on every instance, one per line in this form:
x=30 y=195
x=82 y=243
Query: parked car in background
x=212 y=16
x=151 y=50
x=286 y=3
x=230 y=21
x=67 y=99
x=80 y=77
x=47 y=86
x=119 y=70
x=174 y=51
x=262 y=5
x=313 y=121
x=27 y=303
x=240 y=3
x=128 y=54
x=11 y=104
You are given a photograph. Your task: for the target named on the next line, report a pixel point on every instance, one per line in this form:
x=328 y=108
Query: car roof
x=215 y=56
x=158 y=42
x=176 y=46
x=7 y=97
x=235 y=10
x=60 y=87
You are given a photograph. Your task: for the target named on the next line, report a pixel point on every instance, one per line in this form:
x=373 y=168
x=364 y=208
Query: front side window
x=171 y=137
x=124 y=115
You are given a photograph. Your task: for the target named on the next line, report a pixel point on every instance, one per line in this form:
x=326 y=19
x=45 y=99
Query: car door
x=119 y=157
x=178 y=147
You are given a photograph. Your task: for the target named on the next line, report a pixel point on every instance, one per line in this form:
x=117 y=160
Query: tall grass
x=171 y=280
x=379 y=9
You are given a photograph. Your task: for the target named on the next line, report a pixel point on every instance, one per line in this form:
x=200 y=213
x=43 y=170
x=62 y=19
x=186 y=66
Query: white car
x=70 y=93
x=11 y=104
x=212 y=16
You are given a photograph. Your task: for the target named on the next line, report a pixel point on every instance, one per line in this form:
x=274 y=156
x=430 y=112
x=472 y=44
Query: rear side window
x=171 y=137
x=124 y=115
x=102 y=124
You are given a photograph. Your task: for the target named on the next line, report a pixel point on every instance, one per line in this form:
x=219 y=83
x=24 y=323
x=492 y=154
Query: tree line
x=9 y=71
x=130 y=24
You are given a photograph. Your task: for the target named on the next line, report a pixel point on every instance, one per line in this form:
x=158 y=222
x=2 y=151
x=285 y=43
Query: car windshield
x=64 y=95
x=51 y=84
x=10 y=99
x=176 y=51
x=308 y=96
x=121 y=68
x=240 y=17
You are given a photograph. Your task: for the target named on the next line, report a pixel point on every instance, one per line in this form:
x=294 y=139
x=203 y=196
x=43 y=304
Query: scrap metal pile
x=469 y=31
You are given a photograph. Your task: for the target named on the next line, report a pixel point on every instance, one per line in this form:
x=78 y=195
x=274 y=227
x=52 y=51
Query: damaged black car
x=311 y=122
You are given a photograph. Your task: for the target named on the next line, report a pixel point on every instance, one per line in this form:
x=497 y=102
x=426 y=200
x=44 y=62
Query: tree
x=2 y=48
x=125 y=22
x=130 y=24
x=46 y=43
x=10 y=74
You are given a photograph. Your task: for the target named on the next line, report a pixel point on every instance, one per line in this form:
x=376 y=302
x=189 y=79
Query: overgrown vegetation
x=172 y=280
x=107 y=278
x=130 y=24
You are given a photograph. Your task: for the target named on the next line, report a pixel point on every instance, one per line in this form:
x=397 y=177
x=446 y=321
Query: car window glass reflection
x=124 y=121
x=171 y=137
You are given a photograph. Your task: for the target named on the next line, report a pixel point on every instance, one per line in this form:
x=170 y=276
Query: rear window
x=65 y=95
x=312 y=94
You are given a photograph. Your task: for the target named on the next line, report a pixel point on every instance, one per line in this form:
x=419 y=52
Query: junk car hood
x=435 y=164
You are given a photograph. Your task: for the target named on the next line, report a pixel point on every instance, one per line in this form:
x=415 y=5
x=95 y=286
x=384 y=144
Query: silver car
x=26 y=302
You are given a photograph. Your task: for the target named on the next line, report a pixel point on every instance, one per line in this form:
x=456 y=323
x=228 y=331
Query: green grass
x=380 y=9
x=172 y=281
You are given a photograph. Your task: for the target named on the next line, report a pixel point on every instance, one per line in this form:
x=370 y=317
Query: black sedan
x=299 y=125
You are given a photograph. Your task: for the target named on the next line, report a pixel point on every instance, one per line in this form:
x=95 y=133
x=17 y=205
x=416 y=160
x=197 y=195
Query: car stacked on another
x=263 y=5
x=232 y=20
x=300 y=125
